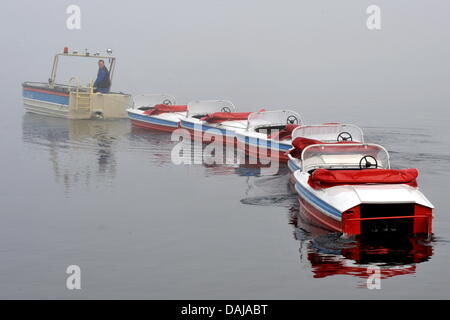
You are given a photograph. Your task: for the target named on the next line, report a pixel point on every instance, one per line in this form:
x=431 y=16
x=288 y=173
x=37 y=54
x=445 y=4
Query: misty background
x=316 y=57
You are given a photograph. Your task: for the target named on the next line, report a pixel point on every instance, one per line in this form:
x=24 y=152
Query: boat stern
x=87 y=105
x=386 y=209
x=372 y=219
x=369 y=209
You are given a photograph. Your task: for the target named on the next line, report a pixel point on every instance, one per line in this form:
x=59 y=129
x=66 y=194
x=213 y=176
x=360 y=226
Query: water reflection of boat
x=157 y=143
x=80 y=150
x=329 y=254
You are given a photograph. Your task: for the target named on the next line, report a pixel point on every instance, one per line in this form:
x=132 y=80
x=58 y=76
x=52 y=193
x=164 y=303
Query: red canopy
x=225 y=116
x=323 y=178
x=162 y=108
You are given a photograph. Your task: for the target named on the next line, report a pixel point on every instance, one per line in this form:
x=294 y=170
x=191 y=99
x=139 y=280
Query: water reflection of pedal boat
x=394 y=260
x=328 y=254
x=268 y=134
x=72 y=100
x=350 y=188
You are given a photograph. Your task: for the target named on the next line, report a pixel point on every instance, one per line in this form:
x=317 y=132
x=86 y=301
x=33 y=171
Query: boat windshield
x=203 y=108
x=333 y=132
x=150 y=100
x=345 y=156
x=82 y=71
x=277 y=118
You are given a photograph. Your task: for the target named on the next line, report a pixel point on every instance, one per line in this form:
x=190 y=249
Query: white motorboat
x=156 y=112
x=350 y=188
x=218 y=118
x=268 y=133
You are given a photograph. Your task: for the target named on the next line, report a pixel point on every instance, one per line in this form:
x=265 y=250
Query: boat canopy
x=151 y=100
x=205 y=107
x=330 y=132
x=275 y=118
x=345 y=156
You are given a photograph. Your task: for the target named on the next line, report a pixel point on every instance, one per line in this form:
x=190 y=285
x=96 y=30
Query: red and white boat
x=268 y=133
x=217 y=118
x=322 y=133
x=350 y=188
x=156 y=111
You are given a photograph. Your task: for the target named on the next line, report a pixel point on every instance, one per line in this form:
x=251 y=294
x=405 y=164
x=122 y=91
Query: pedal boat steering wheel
x=167 y=102
x=368 y=162
x=226 y=109
x=292 y=120
x=344 y=136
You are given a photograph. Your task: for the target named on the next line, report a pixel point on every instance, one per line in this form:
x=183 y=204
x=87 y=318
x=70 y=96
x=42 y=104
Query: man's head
x=101 y=64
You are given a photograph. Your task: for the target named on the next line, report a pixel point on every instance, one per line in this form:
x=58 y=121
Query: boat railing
x=273 y=118
x=150 y=100
x=58 y=86
x=330 y=132
x=204 y=107
x=335 y=156
x=79 y=88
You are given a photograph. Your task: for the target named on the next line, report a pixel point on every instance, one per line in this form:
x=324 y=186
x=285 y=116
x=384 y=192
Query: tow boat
x=72 y=100
x=156 y=112
x=327 y=133
x=268 y=133
x=350 y=188
x=218 y=118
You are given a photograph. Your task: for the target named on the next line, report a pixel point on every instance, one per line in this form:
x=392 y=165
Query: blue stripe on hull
x=203 y=128
x=47 y=97
x=268 y=144
x=149 y=119
x=324 y=207
x=293 y=166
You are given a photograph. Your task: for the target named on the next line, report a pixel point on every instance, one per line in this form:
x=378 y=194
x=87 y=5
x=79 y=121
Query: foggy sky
x=315 y=57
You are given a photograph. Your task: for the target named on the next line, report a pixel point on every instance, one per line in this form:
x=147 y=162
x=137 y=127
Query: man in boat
x=103 y=82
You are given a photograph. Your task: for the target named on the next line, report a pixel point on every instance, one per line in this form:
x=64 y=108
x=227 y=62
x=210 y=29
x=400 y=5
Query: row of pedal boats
x=343 y=183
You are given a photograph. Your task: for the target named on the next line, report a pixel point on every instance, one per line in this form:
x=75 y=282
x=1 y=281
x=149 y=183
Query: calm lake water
x=105 y=196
